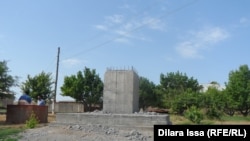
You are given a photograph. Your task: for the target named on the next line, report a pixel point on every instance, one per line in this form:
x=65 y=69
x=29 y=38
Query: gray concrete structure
x=118 y=120
x=121 y=92
x=120 y=105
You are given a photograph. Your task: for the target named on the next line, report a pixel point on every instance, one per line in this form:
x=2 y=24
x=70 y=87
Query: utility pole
x=54 y=98
x=57 y=66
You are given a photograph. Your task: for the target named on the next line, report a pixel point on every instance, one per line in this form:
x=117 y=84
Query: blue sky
x=206 y=39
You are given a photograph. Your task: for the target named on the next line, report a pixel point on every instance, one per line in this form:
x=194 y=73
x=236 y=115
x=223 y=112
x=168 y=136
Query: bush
x=194 y=115
x=32 y=121
x=213 y=113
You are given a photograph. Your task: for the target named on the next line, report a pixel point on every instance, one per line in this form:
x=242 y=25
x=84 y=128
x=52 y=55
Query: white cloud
x=123 y=33
x=101 y=27
x=200 y=40
x=122 y=40
x=153 y=23
x=71 y=62
x=189 y=49
x=115 y=19
x=129 y=26
x=118 y=26
x=244 y=20
x=211 y=35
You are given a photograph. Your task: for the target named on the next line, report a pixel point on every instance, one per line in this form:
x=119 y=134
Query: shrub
x=32 y=121
x=194 y=115
x=213 y=113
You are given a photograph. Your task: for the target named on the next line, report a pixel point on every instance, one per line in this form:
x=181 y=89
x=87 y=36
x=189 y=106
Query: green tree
x=174 y=84
x=6 y=81
x=214 y=102
x=147 y=95
x=185 y=100
x=179 y=82
x=238 y=89
x=230 y=104
x=86 y=87
x=40 y=84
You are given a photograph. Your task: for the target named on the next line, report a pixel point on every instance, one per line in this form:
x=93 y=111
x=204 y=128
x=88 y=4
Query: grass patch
x=3 y=111
x=237 y=119
x=9 y=134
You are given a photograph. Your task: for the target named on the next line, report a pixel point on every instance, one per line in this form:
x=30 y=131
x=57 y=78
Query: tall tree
x=179 y=81
x=213 y=97
x=147 y=95
x=85 y=87
x=174 y=84
x=39 y=85
x=213 y=101
x=6 y=81
x=238 y=88
x=186 y=100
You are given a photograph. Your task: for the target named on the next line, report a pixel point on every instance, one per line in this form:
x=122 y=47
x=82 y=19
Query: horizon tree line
x=176 y=91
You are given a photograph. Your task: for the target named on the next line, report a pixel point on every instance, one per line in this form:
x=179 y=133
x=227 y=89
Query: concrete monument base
x=120 y=105
x=118 y=120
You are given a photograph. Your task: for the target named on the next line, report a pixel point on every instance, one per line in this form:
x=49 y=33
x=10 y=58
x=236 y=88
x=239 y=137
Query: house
x=211 y=84
x=6 y=98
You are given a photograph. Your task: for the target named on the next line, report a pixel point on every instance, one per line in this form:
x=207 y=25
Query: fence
x=21 y=113
x=67 y=107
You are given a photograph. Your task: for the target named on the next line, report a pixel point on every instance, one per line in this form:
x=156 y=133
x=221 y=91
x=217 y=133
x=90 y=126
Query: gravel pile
x=85 y=133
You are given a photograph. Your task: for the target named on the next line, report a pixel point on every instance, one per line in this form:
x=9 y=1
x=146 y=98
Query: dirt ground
x=75 y=132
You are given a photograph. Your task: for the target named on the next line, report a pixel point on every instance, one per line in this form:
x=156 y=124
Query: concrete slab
x=118 y=120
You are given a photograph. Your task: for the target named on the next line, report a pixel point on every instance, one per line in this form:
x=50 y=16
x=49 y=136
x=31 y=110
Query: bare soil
x=74 y=132
x=48 y=131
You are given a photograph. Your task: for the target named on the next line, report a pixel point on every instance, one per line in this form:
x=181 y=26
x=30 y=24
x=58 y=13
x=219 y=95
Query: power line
x=147 y=8
x=135 y=29
x=50 y=64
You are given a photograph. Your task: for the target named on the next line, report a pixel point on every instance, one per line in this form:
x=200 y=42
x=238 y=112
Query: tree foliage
x=194 y=114
x=85 y=87
x=40 y=84
x=238 y=89
x=179 y=81
x=147 y=95
x=173 y=85
x=184 y=101
x=6 y=81
x=214 y=102
x=213 y=97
